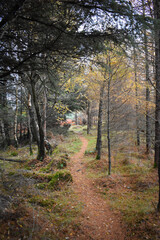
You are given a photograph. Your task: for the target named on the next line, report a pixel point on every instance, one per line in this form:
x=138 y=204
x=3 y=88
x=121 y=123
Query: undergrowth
x=132 y=188
x=37 y=196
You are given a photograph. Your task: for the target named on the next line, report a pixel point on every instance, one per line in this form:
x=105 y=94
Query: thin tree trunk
x=157 y=78
x=108 y=120
x=136 y=93
x=21 y=127
x=91 y=116
x=148 y=124
x=41 y=148
x=30 y=133
x=88 y=118
x=15 y=120
x=44 y=113
x=5 y=115
x=33 y=125
x=99 y=130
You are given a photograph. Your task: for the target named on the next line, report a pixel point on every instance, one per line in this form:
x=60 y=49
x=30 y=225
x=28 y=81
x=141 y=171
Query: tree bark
x=148 y=124
x=30 y=134
x=15 y=120
x=5 y=116
x=100 y=114
x=157 y=79
x=44 y=113
x=108 y=120
x=21 y=121
x=33 y=125
x=41 y=148
x=136 y=93
x=88 y=117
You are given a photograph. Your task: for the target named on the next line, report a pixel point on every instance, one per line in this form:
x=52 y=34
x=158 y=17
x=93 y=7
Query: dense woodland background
x=97 y=62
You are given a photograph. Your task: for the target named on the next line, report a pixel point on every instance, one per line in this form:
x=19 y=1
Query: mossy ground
x=42 y=204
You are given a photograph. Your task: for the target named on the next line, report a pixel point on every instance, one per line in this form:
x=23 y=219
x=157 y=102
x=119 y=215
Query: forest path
x=98 y=222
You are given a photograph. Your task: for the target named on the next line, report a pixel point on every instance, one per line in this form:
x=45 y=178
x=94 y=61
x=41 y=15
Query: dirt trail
x=98 y=221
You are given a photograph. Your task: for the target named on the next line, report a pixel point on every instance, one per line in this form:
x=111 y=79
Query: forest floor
x=70 y=195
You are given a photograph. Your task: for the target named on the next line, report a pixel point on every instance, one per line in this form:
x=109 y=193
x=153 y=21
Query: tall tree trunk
x=15 y=120
x=100 y=114
x=30 y=134
x=148 y=122
x=33 y=125
x=41 y=148
x=44 y=113
x=108 y=120
x=88 y=117
x=5 y=115
x=136 y=93
x=157 y=78
x=21 y=121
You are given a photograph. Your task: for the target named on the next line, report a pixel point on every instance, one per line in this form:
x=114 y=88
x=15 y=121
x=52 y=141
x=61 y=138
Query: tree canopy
x=39 y=34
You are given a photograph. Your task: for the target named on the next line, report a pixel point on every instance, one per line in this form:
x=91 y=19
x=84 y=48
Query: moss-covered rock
x=60 y=176
x=41 y=177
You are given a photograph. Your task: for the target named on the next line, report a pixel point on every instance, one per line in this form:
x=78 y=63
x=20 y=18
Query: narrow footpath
x=98 y=222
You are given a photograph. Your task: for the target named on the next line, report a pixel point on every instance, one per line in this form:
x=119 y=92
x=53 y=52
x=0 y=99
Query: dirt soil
x=98 y=221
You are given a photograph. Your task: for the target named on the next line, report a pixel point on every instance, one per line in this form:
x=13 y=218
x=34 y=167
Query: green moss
x=61 y=164
x=43 y=202
x=41 y=185
x=11 y=173
x=47 y=169
x=14 y=153
x=60 y=176
x=27 y=168
x=40 y=176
